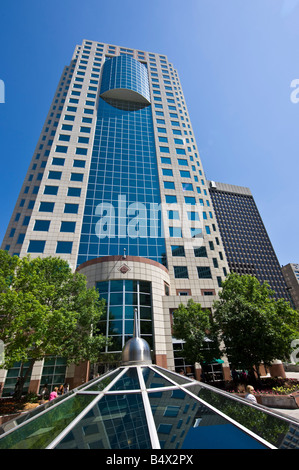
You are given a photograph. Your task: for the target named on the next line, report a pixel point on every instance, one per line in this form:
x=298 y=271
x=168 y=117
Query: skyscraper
x=116 y=187
x=246 y=242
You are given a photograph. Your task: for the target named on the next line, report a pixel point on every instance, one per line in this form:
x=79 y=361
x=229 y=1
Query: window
x=79 y=163
x=64 y=247
x=58 y=161
x=180 y=272
x=164 y=150
x=61 y=149
x=85 y=129
x=54 y=175
x=42 y=225
x=64 y=137
x=209 y=292
x=21 y=238
x=53 y=190
x=46 y=206
x=71 y=208
x=83 y=140
x=36 y=246
x=180 y=151
x=67 y=226
x=204 y=272
x=169 y=185
x=177 y=250
x=183 y=292
x=167 y=172
x=173 y=215
x=193 y=215
x=166 y=160
x=200 y=252
x=69 y=118
x=185 y=174
x=195 y=232
x=175 y=232
x=81 y=151
x=77 y=176
x=187 y=187
x=190 y=200
x=170 y=199
x=74 y=192
x=182 y=162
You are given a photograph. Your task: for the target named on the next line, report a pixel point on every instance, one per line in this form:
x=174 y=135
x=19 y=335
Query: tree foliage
x=252 y=325
x=46 y=309
x=192 y=324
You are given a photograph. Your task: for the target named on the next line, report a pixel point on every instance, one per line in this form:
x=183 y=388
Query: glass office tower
x=116 y=187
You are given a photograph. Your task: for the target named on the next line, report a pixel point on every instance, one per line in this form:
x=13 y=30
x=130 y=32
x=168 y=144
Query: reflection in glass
x=115 y=422
x=37 y=434
x=128 y=381
x=155 y=380
x=269 y=427
x=103 y=382
x=183 y=423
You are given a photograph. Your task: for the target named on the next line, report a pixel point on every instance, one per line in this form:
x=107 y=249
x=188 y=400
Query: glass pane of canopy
x=144 y=407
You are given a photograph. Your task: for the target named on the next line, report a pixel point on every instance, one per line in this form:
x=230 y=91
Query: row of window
x=38 y=246
x=204 y=272
x=199 y=251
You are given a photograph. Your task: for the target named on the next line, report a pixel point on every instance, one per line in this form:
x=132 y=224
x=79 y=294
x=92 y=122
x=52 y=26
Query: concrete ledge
x=278 y=401
x=289 y=402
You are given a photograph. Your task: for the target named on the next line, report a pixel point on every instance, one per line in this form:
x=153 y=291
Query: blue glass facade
x=125 y=73
x=122 y=298
x=123 y=196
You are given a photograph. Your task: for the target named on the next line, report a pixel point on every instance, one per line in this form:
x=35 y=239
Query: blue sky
x=236 y=60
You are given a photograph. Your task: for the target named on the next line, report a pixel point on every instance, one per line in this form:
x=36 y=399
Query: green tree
x=252 y=325
x=193 y=325
x=46 y=309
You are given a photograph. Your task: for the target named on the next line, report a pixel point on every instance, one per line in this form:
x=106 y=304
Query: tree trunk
x=22 y=379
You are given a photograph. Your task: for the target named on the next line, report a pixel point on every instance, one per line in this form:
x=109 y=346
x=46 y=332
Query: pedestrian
x=53 y=394
x=235 y=375
x=60 y=390
x=45 y=393
x=249 y=395
x=66 y=388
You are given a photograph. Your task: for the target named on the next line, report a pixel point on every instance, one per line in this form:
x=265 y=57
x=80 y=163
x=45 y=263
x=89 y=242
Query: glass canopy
x=148 y=407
